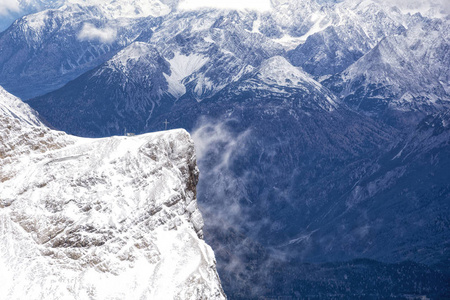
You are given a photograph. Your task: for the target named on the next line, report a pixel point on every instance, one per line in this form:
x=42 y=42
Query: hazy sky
x=7 y=6
x=261 y=5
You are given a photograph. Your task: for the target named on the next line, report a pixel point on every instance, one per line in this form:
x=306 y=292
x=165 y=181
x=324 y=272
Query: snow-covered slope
x=13 y=107
x=112 y=218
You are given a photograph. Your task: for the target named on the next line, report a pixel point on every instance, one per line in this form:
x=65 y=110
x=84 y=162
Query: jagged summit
x=278 y=70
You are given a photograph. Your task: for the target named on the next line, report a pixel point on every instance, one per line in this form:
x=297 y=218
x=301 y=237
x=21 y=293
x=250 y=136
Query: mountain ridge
x=103 y=218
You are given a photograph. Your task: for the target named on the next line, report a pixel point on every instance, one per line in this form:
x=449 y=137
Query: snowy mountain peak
x=279 y=71
x=100 y=218
x=127 y=57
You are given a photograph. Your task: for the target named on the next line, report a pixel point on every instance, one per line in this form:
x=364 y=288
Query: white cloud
x=217 y=148
x=259 y=5
x=91 y=33
x=8 y=6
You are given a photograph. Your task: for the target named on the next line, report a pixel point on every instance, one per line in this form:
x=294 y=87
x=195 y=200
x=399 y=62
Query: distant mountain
x=43 y=51
x=138 y=85
x=81 y=35
x=406 y=73
x=12 y=10
x=343 y=33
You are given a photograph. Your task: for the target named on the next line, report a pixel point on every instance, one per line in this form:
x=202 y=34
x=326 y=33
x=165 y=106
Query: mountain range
x=321 y=127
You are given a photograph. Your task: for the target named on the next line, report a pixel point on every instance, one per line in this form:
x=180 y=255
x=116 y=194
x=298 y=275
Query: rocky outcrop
x=113 y=218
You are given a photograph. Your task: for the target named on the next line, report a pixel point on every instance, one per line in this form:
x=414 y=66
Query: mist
x=91 y=33
x=258 y=5
x=9 y=6
x=217 y=146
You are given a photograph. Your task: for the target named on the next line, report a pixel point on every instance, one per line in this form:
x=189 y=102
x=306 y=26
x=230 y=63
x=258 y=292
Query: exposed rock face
x=112 y=218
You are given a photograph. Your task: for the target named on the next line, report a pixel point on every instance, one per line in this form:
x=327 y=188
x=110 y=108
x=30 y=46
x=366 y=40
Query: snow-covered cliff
x=112 y=218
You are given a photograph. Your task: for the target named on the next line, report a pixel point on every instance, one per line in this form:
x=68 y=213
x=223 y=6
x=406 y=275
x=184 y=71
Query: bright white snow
x=181 y=66
x=13 y=107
